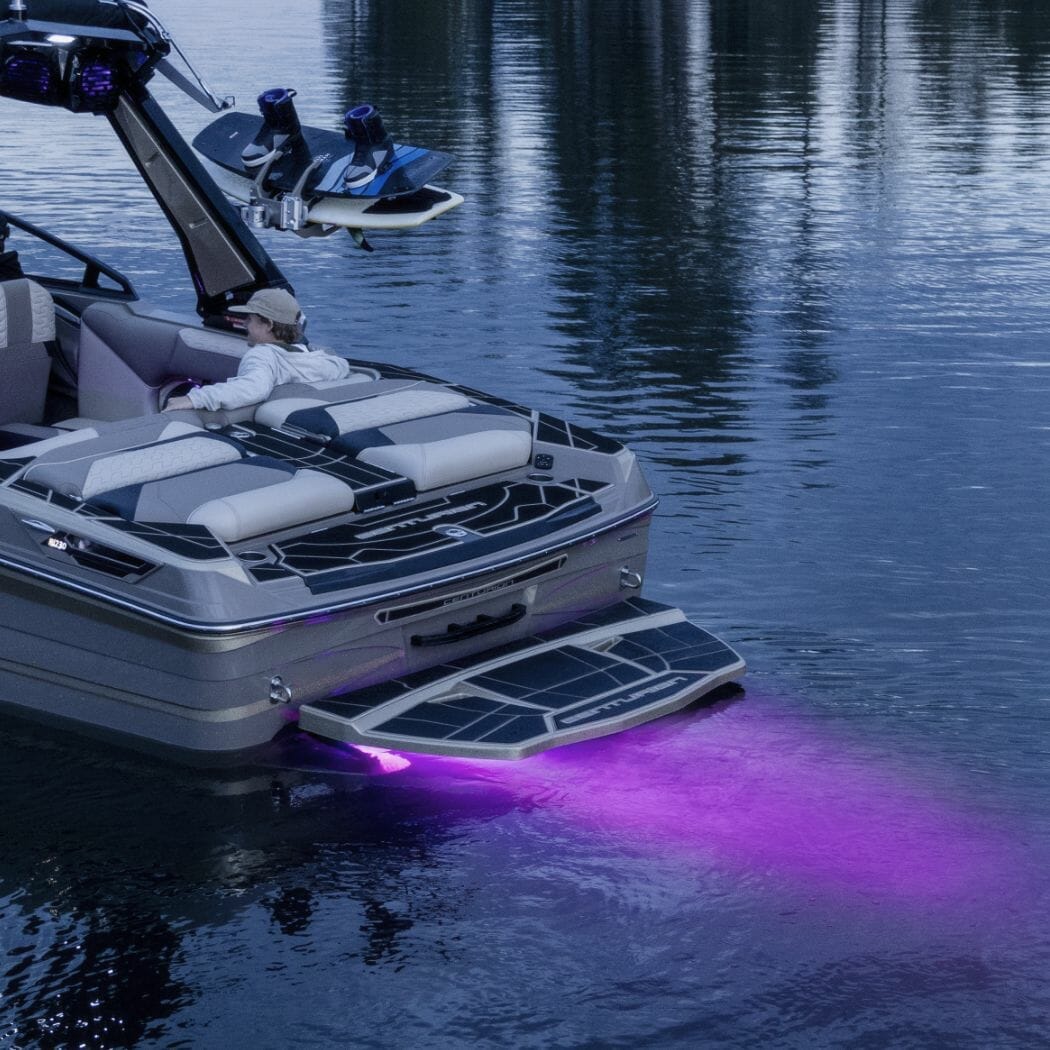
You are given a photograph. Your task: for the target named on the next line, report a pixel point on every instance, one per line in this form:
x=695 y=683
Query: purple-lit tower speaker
x=32 y=76
x=94 y=83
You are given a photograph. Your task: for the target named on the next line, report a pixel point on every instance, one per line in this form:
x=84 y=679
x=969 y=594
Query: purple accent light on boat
x=94 y=85
x=387 y=761
x=30 y=77
x=97 y=80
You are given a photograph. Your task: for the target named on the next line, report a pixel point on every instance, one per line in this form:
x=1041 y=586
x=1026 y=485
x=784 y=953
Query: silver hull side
x=77 y=659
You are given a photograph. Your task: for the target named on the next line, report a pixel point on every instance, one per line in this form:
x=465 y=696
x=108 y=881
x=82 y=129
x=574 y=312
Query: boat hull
x=69 y=656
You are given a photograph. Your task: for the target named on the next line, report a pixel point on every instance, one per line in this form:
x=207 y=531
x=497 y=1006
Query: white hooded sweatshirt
x=265 y=366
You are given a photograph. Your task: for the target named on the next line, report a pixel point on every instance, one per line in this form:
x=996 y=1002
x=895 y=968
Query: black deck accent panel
x=434 y=534
x=188 y=541
x=555 y=431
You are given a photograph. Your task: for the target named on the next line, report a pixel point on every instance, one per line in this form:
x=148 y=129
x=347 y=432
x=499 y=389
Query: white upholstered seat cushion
x=433 y=464
x=367 y=412
x=85 y=462
x=305 y=496
x=154 y=462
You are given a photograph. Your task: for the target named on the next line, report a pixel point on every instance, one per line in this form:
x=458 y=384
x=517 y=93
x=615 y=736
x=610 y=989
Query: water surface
x=796 y=256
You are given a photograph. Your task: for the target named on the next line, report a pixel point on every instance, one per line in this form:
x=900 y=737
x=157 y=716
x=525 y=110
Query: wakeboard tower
x=392 y=560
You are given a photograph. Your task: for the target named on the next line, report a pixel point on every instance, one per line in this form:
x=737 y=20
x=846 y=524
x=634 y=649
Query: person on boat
x=277 y=354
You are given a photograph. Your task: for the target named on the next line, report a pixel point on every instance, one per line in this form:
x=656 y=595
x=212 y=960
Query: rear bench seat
x=427 y=433
x=159 y=471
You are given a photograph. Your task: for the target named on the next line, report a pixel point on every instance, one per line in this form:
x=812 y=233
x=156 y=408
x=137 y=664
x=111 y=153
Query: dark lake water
x=798 y=256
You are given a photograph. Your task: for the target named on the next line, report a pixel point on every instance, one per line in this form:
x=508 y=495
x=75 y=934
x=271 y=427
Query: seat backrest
x=27 y=322
x=146 y=453
x=332 y=419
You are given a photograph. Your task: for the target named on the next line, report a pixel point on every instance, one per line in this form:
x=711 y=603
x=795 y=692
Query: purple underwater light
x=763 y=793
x=386 y=761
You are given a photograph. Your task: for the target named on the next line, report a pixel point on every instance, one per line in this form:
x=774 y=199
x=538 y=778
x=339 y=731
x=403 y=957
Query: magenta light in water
x=388 y=761
x=762 y=793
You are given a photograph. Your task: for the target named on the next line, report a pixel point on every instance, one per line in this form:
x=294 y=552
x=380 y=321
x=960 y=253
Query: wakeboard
x=314 y=167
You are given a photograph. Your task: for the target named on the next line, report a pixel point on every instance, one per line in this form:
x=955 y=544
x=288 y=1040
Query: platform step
x=597 y=675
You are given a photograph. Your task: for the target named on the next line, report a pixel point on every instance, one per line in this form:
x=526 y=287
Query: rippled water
x=796 y=255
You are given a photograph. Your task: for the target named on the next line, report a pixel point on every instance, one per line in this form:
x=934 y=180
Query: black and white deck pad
x=597 y=675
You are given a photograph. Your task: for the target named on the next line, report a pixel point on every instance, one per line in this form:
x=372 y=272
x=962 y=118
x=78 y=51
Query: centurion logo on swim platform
x=664 y=685
x=422 y=519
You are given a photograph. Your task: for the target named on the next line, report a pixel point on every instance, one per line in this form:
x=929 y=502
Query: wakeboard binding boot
x=373 y=146
x=280 y=131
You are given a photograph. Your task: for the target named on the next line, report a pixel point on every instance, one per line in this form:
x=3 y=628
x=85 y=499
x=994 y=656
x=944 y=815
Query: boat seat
x=453 y=460
x=328 y=417
x=234 y=501
x=27 y=323
x=334 y=389
x=82 y=463
x=163 y=472
x=121 y=434
x=426 y=433
x=15 y=435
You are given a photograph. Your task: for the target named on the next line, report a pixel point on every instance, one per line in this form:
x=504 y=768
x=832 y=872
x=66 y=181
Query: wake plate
x=597 y=675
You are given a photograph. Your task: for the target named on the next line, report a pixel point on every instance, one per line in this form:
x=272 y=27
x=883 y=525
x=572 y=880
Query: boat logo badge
x=453 y=532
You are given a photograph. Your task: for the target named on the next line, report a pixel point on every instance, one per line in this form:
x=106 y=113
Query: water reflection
x=107 y=887
x=105 y=980
x=796 y=254
x=718 y=200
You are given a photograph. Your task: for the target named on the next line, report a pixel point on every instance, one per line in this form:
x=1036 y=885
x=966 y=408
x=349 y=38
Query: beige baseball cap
x=275 y=304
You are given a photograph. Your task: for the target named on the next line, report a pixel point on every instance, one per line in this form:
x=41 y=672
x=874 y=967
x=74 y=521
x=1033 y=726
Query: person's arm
x=253 y=383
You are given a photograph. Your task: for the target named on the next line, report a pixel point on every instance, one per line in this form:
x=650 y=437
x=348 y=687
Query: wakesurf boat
x=390 y=559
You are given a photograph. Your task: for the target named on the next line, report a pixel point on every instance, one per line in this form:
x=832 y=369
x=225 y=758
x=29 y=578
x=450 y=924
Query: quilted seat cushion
x=331 y=420
x=80 y=470
x=449 y=461
x=236 y=500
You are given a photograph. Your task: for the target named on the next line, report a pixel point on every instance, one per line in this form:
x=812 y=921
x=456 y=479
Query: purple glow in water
x=767 y=794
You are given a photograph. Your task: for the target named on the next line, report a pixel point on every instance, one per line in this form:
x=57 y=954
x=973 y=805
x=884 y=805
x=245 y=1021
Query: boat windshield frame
x=94 y=268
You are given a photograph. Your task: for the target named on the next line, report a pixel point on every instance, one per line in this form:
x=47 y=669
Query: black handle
x=455 y=632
